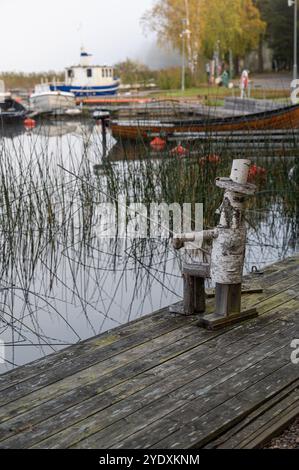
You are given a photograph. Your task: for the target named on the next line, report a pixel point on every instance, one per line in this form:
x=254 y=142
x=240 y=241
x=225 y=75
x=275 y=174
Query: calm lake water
x=60 y=281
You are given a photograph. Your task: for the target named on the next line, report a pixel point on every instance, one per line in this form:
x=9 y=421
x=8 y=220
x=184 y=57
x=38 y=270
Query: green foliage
x=132 y=72
x=279 y=33
x=170 y=79
x=234 y=24
x=27 y=81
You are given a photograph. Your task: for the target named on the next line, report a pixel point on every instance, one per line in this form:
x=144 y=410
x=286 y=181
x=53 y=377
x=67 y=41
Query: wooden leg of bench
x=199 y=295
x=189 y=307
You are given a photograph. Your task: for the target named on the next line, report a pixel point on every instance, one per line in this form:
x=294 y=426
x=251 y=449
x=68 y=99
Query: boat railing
x=45 y=86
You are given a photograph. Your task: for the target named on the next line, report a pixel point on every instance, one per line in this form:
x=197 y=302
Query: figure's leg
x=199 y=295
x=189 y=294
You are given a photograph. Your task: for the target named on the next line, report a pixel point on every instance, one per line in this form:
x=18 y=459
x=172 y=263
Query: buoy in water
x=179 y=150
x=29 y=123
x=256 y=172
x=212 y=158
x=158 y=144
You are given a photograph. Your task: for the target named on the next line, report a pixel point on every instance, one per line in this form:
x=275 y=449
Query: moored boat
x=11 y=111
x=282 y=118
x=45 y=100
x=88 y=81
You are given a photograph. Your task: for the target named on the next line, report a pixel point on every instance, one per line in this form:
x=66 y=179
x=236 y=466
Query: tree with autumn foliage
x=235 y=25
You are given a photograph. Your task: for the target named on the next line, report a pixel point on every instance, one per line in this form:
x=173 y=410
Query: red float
x=179 y=150
x=158 y=144
x=256 y=172
x=213 y=158
x=29 y=123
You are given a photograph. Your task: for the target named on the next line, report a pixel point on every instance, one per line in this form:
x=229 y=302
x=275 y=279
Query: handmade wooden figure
x=227 y=255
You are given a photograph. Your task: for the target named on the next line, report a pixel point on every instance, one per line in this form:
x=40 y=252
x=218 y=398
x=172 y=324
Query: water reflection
x=61 y=282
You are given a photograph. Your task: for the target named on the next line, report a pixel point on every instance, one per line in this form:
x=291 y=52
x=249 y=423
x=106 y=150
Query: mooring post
x=103 y=117
x=104 y=121
x=227 y=255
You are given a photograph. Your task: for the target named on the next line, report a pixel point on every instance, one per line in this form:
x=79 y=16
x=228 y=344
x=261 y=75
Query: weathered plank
x=115 y=337
x=254 y=421
x=275 y=425
x=272 y=276
x=151 y=404
x=89 y=373
x=192 y=410
x=161 y=364
x=104 y=350
x=228 y=413
x=163 y=382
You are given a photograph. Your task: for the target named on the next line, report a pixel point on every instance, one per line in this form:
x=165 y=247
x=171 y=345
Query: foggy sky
x=43 y=35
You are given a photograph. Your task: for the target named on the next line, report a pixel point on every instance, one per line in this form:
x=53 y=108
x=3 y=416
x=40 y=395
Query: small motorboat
x=44 y=100
x=11 y=112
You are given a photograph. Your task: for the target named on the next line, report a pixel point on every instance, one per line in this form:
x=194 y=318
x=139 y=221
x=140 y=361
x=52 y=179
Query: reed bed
x=60 y=280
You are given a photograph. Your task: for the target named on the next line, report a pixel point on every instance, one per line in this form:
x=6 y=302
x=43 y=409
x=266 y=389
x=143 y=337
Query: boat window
x=103 y=73
x=106 y=72
x=89 y=72
x=70 y=73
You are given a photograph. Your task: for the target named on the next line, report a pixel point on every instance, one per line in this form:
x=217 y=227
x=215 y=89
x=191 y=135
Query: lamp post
x=184 y=33
x=217 y=57
x=291 y=3
x=183 y=60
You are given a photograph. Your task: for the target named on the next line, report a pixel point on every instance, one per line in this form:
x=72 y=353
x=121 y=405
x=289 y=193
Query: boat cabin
x=89 y=75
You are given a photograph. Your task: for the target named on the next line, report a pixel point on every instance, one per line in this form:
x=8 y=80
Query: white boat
x=4 y=95
x=88 y=81
x=46 y=100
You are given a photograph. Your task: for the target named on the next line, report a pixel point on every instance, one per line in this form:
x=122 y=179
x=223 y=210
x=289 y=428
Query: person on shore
x=208 y=72
x=244 y=83
x=225 y=78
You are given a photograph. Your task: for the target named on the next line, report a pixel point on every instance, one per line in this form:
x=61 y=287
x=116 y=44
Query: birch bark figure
x=228 y=250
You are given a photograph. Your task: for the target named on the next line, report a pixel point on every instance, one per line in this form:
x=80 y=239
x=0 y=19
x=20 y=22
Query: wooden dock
x=163 y=382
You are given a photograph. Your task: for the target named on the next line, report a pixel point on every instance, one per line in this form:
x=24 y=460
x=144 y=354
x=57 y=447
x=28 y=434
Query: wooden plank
x=160 y=318
x=274 y=427
x=252 y=422
x=175 y=412
x=97 y=361
x=273 y=275
x=37 y=397
x=156 y=374
x=87 y=374
x=204 y=429
x=188 y=412
x=113 y=381
x=281 y=287
x=167 y=389
x=174 y=356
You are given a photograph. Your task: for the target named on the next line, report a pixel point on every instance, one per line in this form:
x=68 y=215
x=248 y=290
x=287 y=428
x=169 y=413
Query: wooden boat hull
x=283 y=118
